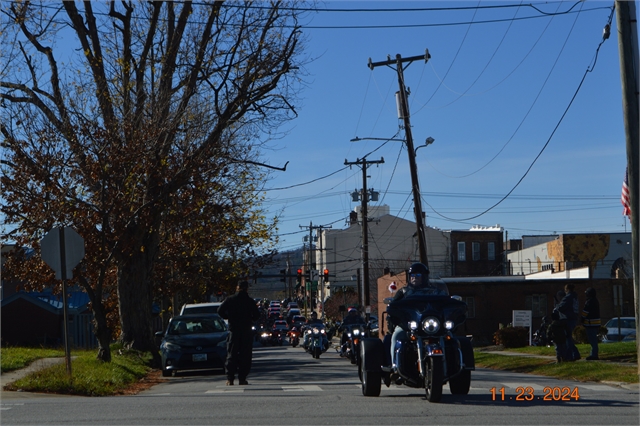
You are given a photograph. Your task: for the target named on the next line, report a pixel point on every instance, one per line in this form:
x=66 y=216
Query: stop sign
x=62 y=249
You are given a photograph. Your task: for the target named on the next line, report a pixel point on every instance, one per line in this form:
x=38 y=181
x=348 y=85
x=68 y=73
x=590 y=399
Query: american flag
x=626 y=211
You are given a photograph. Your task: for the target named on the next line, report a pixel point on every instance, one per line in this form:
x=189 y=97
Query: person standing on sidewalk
x=241 y=311
x=591 y=321
x=569 y=306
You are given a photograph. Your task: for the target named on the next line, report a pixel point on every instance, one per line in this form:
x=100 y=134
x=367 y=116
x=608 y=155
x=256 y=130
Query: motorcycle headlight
x=431 y=324
x=265 y=334
x=316 y=330
x=356 y=332
x=413 y=325
x=448 y=325
x=171 y=346
x=322 y=331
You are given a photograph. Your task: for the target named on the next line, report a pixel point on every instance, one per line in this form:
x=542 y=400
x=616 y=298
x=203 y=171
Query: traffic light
x=326 y=275
x=299 y=275
x=284 y=275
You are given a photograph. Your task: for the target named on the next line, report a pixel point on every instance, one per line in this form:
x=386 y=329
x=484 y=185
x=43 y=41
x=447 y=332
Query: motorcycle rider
x=418 y=281
x=351 y=318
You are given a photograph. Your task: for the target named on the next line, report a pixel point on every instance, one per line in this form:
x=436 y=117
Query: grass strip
x=90 y=377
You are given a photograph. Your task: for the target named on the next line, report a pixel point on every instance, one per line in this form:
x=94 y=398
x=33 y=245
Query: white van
x=200 y=308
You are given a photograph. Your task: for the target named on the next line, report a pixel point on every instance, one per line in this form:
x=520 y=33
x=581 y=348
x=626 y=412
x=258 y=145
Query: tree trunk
x=135 y=294
x=103 y=334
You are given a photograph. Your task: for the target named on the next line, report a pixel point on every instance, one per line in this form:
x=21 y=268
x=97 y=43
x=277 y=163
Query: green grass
x=89 y=376
x=622 y=351
x=16 y=358
x=584 y=371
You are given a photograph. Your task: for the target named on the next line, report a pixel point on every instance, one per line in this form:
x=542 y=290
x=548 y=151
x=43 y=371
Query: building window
x=476 y=251
x=491 y=251
x=461 y=252
x=537 y=304
x=471 y=306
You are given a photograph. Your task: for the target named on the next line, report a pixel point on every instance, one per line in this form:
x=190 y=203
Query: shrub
x=580 y=335
x=512 y=337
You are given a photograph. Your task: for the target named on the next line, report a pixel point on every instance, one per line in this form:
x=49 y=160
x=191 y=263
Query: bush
x=580 y=335
x=512 y=337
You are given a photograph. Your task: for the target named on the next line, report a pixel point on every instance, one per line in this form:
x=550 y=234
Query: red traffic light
x=326 y=275
x=299 y=274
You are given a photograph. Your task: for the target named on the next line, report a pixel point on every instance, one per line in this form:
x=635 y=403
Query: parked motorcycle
x=428 y=355
x=351 y=337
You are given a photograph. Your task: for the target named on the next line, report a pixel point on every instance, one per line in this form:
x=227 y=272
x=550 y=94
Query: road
x=287 y=387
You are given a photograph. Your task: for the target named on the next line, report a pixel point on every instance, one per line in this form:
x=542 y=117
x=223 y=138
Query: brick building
x=491 y=300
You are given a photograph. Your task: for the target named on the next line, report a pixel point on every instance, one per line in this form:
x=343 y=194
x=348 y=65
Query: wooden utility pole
x=627 y=23
x=404 y=112
x=364 y=199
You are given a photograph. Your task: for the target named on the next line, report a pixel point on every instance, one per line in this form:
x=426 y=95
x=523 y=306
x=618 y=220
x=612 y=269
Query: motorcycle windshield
x=417 y=306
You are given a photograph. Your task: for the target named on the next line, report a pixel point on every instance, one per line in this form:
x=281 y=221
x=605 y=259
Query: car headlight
x=171 y=346
x=431 y=324
x=448 y=325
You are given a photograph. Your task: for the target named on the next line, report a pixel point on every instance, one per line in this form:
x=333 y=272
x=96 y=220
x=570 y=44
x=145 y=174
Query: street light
x=428 y=142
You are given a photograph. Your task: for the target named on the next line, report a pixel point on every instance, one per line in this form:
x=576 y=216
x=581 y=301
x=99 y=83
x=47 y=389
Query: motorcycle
x=294 y=337
x=428 y=355
x=275 y=338
x=540 y=337
x=351 y=336
x=316 y=340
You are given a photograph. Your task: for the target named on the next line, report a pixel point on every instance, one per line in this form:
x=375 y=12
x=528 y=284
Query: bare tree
x=142 y=124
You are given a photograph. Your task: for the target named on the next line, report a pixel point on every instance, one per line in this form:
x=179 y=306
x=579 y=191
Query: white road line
x=304 y=388
x=225 y=391
x=597 y=387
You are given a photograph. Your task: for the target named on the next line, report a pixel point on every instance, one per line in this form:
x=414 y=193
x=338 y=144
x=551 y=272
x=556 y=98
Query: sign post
x=63 y=249
x=522 y=319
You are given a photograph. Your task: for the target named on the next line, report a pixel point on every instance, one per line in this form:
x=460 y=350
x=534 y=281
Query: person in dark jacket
x=570 y=308
x=241 y=311
x=591 y=320
x=556 y=331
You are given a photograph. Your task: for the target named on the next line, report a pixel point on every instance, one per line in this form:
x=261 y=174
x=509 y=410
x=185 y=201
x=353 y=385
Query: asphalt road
x=287 y=386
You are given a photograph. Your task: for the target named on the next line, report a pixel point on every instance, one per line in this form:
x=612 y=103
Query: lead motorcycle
x=428 y=355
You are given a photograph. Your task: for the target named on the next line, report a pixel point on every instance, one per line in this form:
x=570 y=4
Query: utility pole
x=404 y=111
x=313 y=266
x=364 y=199
x=627 y=23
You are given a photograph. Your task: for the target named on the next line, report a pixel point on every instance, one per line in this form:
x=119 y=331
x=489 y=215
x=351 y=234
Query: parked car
x=627 y=330
x=193 y=342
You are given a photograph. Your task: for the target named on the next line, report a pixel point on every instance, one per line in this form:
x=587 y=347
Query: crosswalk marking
x=236 y=390
x=304 y=388
x=535 y=387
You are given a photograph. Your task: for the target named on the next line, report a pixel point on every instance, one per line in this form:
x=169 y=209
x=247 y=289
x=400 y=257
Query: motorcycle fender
x=433 y=350
x=466 y=348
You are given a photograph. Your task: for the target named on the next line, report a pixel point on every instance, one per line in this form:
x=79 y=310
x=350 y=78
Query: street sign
x=522 y=319
x=62 y=244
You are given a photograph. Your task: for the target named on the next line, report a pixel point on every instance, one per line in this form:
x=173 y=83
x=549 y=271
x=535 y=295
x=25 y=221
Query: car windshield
x=624 y=323
x=196 y=325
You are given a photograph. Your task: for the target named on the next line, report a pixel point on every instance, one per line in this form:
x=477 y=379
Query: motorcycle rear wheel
x=434 y=379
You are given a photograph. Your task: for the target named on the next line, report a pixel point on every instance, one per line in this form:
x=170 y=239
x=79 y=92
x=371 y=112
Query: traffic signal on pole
x=326 y=275
x=283 y=272
x=299 y=275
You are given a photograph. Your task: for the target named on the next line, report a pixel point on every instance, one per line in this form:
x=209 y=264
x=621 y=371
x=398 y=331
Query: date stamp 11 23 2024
x=527 y=393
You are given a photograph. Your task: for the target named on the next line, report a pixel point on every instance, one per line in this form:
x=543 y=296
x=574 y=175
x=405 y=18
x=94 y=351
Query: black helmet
x=418 y=275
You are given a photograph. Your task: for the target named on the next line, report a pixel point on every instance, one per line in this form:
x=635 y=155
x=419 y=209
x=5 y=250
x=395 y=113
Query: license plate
x=199 y=357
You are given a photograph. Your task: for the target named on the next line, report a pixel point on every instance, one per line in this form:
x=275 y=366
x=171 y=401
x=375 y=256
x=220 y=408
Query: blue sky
x=494 y=90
